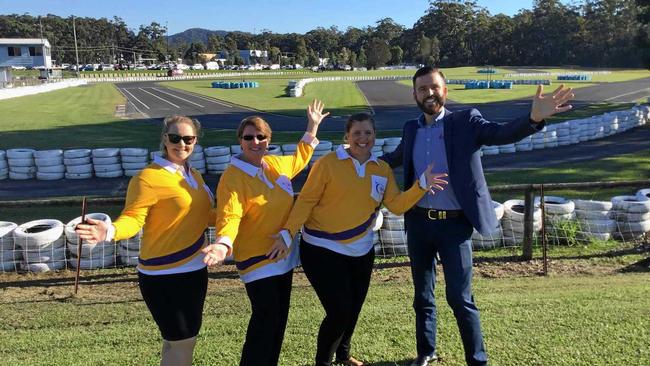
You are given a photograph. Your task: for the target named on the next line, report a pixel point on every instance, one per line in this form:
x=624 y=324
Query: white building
x=25 y=52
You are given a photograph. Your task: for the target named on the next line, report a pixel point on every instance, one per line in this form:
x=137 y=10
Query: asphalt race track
x=392 y=105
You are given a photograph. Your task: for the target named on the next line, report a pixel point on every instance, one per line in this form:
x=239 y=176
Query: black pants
x=176 y=302
x=341 y=283
x=269 y=299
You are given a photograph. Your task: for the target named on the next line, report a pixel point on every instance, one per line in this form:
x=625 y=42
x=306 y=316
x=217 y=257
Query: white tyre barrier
x=110 y=174
x=44 y=267
x=378 y=223
x=13 y=162
x=93 y=263
x=392 y=222
x=21 y=176
x=498 y=209
x=135 y=159
x=589 y=205
x=44 y=162
x=71 y=235
x=631 y=204
x=235 y=149
x=514 y=210
x=492 y=240
x=598 y=226
x=48 y=154
x=105 y=152
x=133 y=151
x=23 y=169
x=220 y=159
x=216 y=151
x=644 y=193
x=76 y=153
x=107 y=168
x=50 y=254
x=20 y=153
x=131 y=172
x=217 y=167
x=134 y=166
x=6 y=235
x=393 y=242
x=556 y=205
x=51 y=169
x=629 y=216
x=323 y=145
x=593 y=215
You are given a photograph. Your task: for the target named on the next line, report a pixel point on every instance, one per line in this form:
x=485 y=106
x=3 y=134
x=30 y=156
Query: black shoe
x=424 y=360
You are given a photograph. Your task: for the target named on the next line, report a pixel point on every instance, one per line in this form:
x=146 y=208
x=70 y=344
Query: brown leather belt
x=433 y=214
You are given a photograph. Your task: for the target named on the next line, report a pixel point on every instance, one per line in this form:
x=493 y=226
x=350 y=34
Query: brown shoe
x=350 y=362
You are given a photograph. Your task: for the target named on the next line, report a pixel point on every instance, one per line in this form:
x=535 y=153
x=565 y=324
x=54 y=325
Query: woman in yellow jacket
x=338 y=206
x=254 y=197
x=170 y=201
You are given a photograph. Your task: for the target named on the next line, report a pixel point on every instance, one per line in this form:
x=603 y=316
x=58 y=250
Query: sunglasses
x=174 y=139
x=251 y=137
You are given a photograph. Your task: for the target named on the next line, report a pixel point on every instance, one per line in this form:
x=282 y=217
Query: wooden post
x=79 y=244
x=529 y=210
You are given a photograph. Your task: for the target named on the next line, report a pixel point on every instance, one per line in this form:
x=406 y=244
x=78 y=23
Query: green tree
x=377 y=53
x=643 y=37
x=396 y=55
x=362 y=60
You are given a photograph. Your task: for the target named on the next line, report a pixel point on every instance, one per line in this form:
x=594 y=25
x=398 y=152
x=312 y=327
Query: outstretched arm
x=545 y=106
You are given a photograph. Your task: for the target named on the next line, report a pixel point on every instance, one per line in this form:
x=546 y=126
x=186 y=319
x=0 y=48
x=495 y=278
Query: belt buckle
x=436 y=214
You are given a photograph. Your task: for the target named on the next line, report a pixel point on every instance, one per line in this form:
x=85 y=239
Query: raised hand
x=214 y=254
x=435 y=181
x=315 y=116
x=92 y=231
x=278 y=250
x=545 y=106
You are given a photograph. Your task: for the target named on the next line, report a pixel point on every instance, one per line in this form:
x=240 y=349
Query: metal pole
x=529 y=211
x=76 y=51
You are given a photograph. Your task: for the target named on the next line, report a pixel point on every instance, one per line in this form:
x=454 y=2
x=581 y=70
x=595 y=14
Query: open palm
x=545 y=106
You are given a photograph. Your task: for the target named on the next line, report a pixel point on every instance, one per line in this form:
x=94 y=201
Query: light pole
x=76 y=51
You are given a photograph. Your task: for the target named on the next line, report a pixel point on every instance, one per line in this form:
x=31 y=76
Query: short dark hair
x=359 y=117
x=428 y=70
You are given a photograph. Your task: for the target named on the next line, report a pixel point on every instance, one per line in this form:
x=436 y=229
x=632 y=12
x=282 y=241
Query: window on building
x=14 y=51
x=35 y=51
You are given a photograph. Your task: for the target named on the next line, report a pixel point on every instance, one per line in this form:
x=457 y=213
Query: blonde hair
x=257 y=122
x=173 y=120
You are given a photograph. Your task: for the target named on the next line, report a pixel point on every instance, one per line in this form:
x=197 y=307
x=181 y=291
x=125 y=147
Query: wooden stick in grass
x=79 y=244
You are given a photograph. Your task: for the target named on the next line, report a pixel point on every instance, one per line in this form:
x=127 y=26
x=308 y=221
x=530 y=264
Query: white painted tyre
x=49 y=176
x=76 y=161
x=20 y=162
x=48 y=255
x=589 y=205
x=105 y=152
x=639 y=227
x=644 y=193
x=10 y=266
x=48 y=154
x=79 y=169
x=107 y=167
x=52 y=169
x=129 y=261
x=109 y=174
x=593 y=215
x=94 y=263
x=154 y=154
x=38 y=233
x=4 y=164
x=235 y=149
x=498 y=209
x=20 y=153
x=217 y=159
x=324 y=145
x=631 y=204
x=597 y=236
x=556 y=205
x=218 y=167
x=41 y=162
x=394 y=141
x=379 y=221
x=78 y=175
x=131 y=172
x=133 y=151
x=92 y=251
x=135 y=159
x=514 y=210
x=6 y=235
x=290 y=148
x=44 y=267
x=627 y=216
x=106 y=161
x=598 y=226
x=216 y=151
x=134 y=166
x=76 y=153
x=23 y=169
x=21 y=176
x=71 y=235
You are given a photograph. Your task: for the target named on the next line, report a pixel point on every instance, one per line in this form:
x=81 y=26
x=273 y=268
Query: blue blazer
x=464 y=133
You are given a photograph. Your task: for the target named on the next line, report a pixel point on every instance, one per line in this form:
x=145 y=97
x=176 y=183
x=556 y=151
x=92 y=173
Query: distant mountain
x=195 y=35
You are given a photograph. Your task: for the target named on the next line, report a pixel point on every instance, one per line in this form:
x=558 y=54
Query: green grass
x=340 y=97
x=564 y=320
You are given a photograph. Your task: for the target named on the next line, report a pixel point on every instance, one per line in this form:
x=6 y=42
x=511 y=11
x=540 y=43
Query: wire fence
x=538 y=221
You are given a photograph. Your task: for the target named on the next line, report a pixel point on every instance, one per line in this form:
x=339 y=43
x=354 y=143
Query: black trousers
x=341 y=283
x=269 y=299
x=176 y=302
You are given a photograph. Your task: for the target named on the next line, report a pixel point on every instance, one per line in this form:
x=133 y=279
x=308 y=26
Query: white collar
x=175 y=168
x=343 y=154
x=251 y=169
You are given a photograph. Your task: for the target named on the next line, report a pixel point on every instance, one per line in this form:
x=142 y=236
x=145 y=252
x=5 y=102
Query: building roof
x=24 y=41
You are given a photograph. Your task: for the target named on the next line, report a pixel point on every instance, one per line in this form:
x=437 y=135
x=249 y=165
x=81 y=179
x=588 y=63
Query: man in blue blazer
x=442 y=223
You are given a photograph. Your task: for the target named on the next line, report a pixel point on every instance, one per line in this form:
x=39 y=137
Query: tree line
x=597 y=33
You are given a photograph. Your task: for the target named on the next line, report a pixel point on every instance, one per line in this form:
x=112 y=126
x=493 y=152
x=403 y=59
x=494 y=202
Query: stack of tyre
x=236 y=149
x=390 y=144
x=217 y=159
x=4 y=167
x=274 y=150
x=495 y=238
x=21 y=164
x=133 y=160
x=323 y=148
x=507 y=148
x=10 y=257
x=512 y=222
x=586 y=130
x=550 y=136
x=376 y=243
x=392 y=234
x=42 y=244
x=78 y=164
x=563 y=134
x=595 y=219
x=490 y=150
x=93 y=256
x=559 y=217
x=289 y=149
x=197 y=159
x=106 y=162
x=576 y=130
x=49 y=164
x=129 y=250
x=378 y=148
x=632 y=215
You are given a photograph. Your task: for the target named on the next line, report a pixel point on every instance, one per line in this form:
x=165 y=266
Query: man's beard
x=439 y=101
